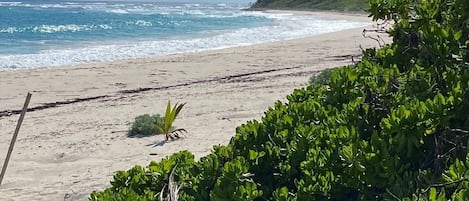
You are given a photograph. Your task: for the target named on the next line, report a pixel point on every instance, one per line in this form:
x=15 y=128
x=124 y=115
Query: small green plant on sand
x=323 y=77
x=145 y=125
x=167 y=125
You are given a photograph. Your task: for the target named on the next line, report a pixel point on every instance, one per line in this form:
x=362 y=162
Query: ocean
x=48 y=33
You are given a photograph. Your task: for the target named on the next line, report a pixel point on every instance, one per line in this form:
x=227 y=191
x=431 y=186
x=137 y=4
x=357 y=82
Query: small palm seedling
x=167 y=126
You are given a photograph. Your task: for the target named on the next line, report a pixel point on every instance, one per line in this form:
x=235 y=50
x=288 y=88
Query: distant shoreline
x=351 y=6
x=345 y=12
x=330 y=14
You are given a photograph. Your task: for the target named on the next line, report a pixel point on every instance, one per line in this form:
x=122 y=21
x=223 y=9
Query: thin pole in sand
x=15 y=135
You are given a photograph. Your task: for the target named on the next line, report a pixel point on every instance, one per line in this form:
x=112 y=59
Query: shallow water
x=39 y=33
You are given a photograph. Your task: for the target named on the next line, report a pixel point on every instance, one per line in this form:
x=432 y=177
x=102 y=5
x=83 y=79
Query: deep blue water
x=39 y=33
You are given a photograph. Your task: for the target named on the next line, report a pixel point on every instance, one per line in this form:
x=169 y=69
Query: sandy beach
x=76 y=138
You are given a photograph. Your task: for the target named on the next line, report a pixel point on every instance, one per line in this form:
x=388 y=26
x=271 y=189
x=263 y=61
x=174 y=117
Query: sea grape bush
x=145 y=125
x=395 y=126
x=322 y=77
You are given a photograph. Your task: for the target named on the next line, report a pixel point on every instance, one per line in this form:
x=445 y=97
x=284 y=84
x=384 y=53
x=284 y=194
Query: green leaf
x=432 y=194
x=167 y=117
x=374 y=69
x=347 y=153
x=352 y=75
x=170 y=116
x=457 y=35
x=252 y=154
x=429 y=131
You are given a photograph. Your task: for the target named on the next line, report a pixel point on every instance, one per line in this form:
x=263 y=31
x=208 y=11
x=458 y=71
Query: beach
x=76 y=139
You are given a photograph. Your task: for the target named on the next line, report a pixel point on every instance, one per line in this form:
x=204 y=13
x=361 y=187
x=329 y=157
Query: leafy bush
x=322 y=77
x=393 y=127
x=145 y=183
x=145 y=125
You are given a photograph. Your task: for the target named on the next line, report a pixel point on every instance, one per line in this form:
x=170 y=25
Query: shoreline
x=310 y=11
x=44 y=60
x=333 y=15
x=69 y=150
x=7 y=104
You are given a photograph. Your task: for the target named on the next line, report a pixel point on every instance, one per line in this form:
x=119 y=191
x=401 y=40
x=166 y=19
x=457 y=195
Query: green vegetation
x=393 y=127
x=323 y=77
x=341 y=5
x=167 y=126
x=145 y=125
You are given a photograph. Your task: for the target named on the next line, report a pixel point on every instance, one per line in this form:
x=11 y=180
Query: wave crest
x=55 y=28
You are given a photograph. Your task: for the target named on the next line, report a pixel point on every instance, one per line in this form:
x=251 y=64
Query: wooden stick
x=15 y=135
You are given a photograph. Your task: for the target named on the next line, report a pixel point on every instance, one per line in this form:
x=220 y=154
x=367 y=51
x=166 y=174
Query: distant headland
x=336 y=5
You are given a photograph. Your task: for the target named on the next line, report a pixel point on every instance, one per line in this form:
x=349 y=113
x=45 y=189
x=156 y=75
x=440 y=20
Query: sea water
x=46 y=33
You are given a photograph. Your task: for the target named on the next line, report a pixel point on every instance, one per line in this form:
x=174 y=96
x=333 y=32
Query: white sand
x=65 y=152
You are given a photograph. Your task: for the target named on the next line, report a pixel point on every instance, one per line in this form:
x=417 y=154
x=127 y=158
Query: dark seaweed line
x=43 y=106
x=50 y=105
x=216 y=79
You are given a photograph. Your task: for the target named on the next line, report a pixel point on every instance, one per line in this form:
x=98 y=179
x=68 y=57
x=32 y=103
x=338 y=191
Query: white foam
x=60 y=28
x=47 y=28
x=9 y=30
x=143 y=23
x=104 y=26
x=118 y=11
x=10 y=3
x=286 y=27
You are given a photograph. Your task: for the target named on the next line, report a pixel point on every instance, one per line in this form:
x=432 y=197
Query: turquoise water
x=43 y=33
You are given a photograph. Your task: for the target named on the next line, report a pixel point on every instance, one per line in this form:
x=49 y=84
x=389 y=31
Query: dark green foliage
x=145 y=125
x=144 y=183
x=342 y=5
x=393 y=127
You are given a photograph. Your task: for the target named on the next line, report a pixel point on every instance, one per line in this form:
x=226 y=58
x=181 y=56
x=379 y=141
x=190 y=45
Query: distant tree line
x=341 y=5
